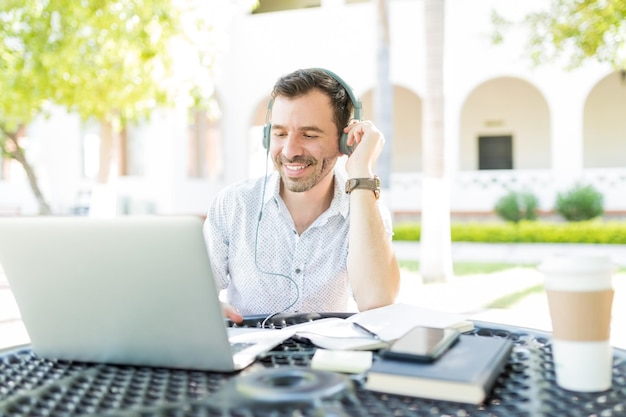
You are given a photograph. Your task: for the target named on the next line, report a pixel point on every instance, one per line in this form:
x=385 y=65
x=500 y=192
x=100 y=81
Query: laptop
x=126 y=290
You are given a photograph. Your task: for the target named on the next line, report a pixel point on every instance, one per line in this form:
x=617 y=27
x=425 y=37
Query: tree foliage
x=113 y=61
x=89 y=56
x=577 y=30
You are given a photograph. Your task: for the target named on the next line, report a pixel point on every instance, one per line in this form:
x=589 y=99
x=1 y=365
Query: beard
x=319 y=169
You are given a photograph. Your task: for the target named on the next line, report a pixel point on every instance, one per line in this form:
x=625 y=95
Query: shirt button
x=297 y=270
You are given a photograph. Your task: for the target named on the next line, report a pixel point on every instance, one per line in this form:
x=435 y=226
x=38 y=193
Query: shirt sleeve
x=216 y=237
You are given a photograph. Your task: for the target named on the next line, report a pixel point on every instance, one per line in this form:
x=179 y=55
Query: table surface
x=32 y=386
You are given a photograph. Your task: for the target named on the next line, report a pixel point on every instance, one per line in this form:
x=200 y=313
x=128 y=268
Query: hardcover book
x=466 y=373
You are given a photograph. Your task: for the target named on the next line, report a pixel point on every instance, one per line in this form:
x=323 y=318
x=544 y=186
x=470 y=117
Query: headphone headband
x=356 y=103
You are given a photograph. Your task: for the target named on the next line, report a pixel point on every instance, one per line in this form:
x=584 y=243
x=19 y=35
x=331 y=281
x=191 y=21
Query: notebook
x=126 y=290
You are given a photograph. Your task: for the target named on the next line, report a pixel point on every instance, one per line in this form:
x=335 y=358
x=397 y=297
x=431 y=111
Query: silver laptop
x=126 y=290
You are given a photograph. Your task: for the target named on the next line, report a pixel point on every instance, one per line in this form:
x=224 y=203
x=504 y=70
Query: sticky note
x=346 y=361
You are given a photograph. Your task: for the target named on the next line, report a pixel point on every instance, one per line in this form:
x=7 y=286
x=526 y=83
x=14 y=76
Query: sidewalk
x=470 y=295
x=513 y=253
x=473 y=294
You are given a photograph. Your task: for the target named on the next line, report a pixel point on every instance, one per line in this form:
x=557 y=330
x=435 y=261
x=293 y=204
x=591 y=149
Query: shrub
x=590 y=231
x=484 y=232
x=516 y=206
x=407 y=231
x=581 y=202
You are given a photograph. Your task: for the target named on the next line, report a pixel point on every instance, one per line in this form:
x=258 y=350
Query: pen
x=365 y=330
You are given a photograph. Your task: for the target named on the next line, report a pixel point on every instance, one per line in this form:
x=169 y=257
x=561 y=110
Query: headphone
x=343 y=140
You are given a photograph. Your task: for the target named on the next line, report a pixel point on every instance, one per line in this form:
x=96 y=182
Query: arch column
x=567 y=136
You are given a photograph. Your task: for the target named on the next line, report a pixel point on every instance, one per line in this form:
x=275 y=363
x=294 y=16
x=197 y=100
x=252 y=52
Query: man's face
x=304 y=140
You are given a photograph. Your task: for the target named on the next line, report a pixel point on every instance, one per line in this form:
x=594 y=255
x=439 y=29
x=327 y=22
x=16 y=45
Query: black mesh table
x=32 y=386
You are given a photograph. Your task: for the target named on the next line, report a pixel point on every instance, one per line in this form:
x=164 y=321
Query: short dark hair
x=303 y=81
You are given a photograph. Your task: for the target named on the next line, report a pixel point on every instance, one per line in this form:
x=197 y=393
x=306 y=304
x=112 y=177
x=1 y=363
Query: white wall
x=557 y=145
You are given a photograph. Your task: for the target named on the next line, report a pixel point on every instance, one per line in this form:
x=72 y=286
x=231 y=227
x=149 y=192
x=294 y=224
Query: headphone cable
x=256 y=242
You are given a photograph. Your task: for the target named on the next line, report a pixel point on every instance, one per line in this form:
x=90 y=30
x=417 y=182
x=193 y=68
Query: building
x=508 y=125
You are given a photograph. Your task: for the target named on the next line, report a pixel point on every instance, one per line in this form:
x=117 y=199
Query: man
x=298 y=239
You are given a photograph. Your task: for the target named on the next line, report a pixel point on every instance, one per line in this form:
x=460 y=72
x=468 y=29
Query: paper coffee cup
x=580 y=296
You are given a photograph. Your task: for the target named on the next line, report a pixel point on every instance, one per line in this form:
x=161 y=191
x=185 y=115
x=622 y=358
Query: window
x=205 y=159
x=91 y=143
x=100 y=143
x=3 y=167
x=91 y=155
x=133 y=146
x=268 y=6
x=495 y=152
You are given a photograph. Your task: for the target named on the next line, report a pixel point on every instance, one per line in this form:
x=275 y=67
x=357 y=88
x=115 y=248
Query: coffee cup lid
x=577 y=263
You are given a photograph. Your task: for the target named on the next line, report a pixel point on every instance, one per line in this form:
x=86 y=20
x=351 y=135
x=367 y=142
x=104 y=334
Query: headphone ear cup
x=267 y=129
x=343 y=145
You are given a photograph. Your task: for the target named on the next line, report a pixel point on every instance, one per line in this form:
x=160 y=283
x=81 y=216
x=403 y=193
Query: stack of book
x=465 y=373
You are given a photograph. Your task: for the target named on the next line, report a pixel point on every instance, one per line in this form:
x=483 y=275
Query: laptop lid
x=127 y=290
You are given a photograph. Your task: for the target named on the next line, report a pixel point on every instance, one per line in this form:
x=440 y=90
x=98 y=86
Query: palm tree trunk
x=435 y=257
x=383 y=96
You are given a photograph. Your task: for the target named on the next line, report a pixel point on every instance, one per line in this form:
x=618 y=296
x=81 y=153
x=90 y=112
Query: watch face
x=352 y=184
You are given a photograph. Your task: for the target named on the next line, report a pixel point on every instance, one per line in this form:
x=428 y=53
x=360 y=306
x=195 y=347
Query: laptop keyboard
x=239 y=346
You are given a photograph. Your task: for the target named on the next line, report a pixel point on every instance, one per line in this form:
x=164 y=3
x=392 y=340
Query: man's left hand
x=368 y=142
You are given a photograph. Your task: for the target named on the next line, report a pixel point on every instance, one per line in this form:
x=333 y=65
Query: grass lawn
x=510 y=299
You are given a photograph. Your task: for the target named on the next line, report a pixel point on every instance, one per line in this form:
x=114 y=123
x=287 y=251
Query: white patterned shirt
x=262 y=262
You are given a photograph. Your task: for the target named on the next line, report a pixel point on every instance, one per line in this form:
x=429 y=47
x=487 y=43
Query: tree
x=23 y=90
x=113 y=61
x=383 y=93
x=436 y=246
x=97 y=59
x=578 y=30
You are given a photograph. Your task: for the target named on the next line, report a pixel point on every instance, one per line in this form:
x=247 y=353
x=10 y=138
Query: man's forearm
x=372 y=265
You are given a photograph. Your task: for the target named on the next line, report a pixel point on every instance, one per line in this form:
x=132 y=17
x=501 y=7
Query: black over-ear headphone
x=343 y=140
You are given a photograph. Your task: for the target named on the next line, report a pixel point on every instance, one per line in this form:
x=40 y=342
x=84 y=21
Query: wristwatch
x=364 y=183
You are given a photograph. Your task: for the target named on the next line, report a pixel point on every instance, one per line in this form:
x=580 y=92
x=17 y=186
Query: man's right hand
x=232 y=313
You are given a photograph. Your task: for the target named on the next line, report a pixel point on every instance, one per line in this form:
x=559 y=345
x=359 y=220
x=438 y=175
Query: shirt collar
x=340 y=203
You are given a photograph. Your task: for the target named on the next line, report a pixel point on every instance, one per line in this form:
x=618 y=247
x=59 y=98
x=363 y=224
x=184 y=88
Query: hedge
x=591 y=231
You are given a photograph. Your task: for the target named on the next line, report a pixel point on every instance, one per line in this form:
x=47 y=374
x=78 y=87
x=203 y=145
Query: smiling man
x=307 y=237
